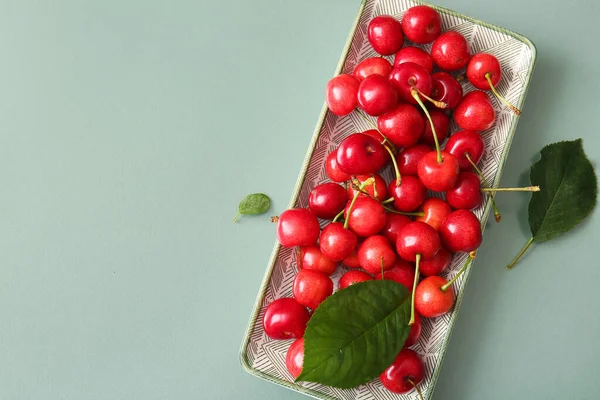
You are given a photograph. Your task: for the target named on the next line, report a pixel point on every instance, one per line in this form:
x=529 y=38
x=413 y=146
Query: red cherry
x=466 y=193
x=401 y=272
x=327 y=200
x=406 y=371
x=352 y=277
x=461 y=231
x=408 y=75
x=437 y=264
x=333 y=170
x=285 y=319
x=403 y=126
x=441 y=122
x=435 y=212
x=385 y=35
x=336 y=242
x=409 y=195
x=475 y=112
x=297 y=227
x=377 y=190
x=311 y=288
x=430 y=300
x=408 y=158
x=294 y=358
x=376 y=95
x=374 y=251
x=361 y=154
x=466 y=142
x=372 y=66
x=312 y=258
x=480 y=65
x=393 y=224
x=414 y=55
x=446 y=89
x=351 y=261
x=435 y=176
x=417 y=238
x=341 y=94
x=450 y=51
x=367 y=217
x=415 y=332
x=421 y=24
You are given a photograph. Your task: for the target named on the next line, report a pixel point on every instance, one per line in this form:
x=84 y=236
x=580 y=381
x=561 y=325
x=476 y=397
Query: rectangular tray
x=265 y=358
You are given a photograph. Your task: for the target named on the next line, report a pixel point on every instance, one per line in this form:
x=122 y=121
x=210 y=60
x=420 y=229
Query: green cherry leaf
x=256 y=203
x=356 y=333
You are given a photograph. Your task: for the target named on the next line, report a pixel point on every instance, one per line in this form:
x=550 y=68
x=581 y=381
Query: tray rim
x=302 y=176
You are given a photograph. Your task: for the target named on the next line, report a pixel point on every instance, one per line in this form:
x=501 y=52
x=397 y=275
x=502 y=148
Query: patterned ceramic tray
x=264 y=357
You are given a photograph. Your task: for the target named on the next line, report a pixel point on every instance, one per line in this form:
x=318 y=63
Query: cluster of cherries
x=392 y=230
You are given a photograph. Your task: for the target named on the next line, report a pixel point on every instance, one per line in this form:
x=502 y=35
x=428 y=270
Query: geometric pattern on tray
x=265 y=357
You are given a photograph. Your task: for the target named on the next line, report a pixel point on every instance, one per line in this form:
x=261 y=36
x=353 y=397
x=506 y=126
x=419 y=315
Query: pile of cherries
x=382 y=230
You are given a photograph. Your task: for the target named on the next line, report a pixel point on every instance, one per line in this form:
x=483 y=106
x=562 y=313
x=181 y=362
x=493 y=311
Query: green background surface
x=129 y=131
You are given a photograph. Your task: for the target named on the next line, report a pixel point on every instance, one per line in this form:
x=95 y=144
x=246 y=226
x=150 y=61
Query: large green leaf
x=356 y=333
x=568 y=190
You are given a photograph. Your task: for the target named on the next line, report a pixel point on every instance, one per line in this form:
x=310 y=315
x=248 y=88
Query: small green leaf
x=256 y=203
x=356 y=333
x=568 y=190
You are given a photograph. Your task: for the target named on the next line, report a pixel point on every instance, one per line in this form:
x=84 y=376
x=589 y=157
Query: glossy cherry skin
x=446 y=89
x=285 y=318
x=461 y=231
x=409 y=195
x=297 y=227
x=430 y=300
x=403 y=126
x=393 y=225
x=450 y=51
x=376 y=95
x=401 y=272
x=417 y=238
x=375 y=250
x=311 y=288
x=367 y=217
x=337 y=242
x=327 y=200
x=294 y=358
x=414 y=55
x=372 y=66
x=377 y=190
x=421 y=24
x=437 y=264
x=385 y=34
x=466 y=142
x=480 y=65
x=466 y=193
x=408 y=75
x=441 y=122
x=341 y=94
x=312 y=258
x=415 y=332
x=408 y=158
x=435 y=212
x=352 y=277
x=351 y=260
x=435 y=176
x=333 y=170
x=360 y=154
x=406 y=371
x=475 y=112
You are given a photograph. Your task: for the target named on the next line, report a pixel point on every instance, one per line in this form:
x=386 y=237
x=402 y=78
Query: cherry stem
x=513 y=108
x=463 y=269
x=382 y=269
x=362 y=185
x=438 y=104
x=385 y=139
x=388 y=201
x=521 y=189
x=415 y=95
x=416 y=387
x=409 y=214
x=485 y=181
x=396 y=169
x=512 y=264
x=338 y=216
x=299 y=257
x=412 y=302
